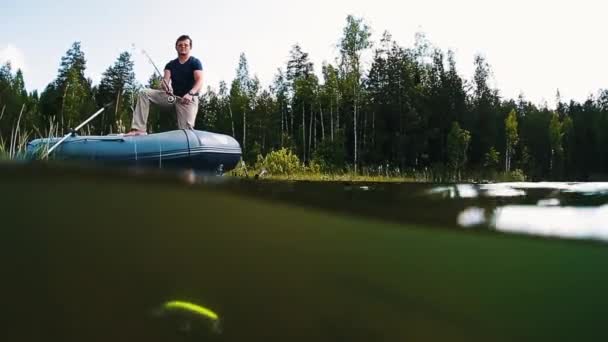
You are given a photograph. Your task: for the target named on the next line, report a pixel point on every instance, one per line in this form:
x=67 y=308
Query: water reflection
x=562 y=222
x=549 y=202
x=481 y=190
x=557 y=209
x=455 y=191
x=564 y=212
x=565 y=222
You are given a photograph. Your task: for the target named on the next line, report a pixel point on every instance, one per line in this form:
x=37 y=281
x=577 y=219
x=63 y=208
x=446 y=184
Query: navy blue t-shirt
x=182 y=75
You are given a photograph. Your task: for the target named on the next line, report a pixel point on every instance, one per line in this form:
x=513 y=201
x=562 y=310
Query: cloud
x=14 y=55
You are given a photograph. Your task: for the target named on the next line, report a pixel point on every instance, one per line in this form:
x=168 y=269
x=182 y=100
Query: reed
x=15 y=147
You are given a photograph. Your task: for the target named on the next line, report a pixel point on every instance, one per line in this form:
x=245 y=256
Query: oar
x=73 y=131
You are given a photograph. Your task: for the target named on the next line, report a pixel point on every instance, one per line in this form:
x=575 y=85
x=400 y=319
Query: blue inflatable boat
x=199 y=150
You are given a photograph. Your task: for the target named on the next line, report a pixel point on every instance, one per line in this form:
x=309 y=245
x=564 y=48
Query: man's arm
x=198 y=82
x=166 y=82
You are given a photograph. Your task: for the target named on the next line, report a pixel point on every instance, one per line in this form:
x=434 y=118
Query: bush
x=313 y=167
x=516 y=175
x=281 y=162
x=240 y=170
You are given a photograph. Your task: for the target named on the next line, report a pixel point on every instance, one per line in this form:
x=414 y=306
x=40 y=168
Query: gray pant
x=186 y=113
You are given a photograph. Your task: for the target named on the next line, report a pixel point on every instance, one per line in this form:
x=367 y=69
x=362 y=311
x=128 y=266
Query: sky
x=534 y=47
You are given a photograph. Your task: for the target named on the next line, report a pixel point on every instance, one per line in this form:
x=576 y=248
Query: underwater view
x=115 y=255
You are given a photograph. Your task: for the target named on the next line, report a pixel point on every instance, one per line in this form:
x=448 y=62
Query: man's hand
x=186 y=99
x=168 y=89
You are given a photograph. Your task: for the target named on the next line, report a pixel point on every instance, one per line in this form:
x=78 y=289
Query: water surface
x=90 y=256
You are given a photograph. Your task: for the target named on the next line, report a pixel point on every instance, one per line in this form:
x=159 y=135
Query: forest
x=406 y=110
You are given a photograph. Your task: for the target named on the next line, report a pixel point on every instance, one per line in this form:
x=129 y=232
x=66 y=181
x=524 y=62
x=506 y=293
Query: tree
x=569 y=144
x=512 y=138
x=557 y=151
x=280 y=89
x=355 y=39
x=210 y=107
x=482 y=123
x=69 y=97
x=239 y=97
x=331 y=91
x=458 y=144
x=7 y=100
x=535 y=140
x=117 y=84
x=491 y=159
x=75 y=99
x=226 y=119
x=302 y=82
x=73 y=60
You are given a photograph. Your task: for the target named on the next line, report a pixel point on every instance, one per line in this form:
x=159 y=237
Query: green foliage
x=303 y=86
x=15 y=146
x=281 y=162
x=253 y=153
x=209 y=110
x=3 y=150
x=556 y=135
x=458 y=143
x=512 y=137
x=491 y=159
x=517 y=175
x=70 y=96
x=330 y=156
x=511 y=129
x=355 y=38
x=241 y=101
x=313 y=167
x=117 y=84
x=241 y=170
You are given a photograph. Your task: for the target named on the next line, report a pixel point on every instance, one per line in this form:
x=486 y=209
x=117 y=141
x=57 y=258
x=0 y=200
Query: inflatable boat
x=199 y=150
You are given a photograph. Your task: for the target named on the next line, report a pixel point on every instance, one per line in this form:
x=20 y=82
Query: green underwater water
x=89 y=256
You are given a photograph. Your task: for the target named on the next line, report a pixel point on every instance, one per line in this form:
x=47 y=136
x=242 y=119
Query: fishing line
x=171 y=98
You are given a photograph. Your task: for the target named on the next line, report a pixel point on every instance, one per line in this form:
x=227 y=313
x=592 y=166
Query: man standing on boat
x=183 y=79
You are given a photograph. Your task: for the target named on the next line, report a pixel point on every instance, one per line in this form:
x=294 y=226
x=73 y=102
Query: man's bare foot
x=135 y=132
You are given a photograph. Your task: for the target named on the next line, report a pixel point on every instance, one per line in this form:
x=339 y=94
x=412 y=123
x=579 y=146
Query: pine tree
x=117 y=85
x=69 y=97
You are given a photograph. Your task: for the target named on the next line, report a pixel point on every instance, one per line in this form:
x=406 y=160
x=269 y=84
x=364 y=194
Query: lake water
x=548 y=209
x=89 y=255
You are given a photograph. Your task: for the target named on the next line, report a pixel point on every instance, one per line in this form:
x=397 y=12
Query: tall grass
x=15 y=147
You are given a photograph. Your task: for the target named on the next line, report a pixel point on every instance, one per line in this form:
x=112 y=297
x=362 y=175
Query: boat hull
x=193 y=149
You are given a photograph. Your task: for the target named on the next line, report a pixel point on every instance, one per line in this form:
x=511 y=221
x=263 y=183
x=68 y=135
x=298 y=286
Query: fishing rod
x=171 y=98
x=73 y=131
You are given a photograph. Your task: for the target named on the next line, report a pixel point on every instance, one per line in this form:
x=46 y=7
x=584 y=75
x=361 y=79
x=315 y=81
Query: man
x=183 y=78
